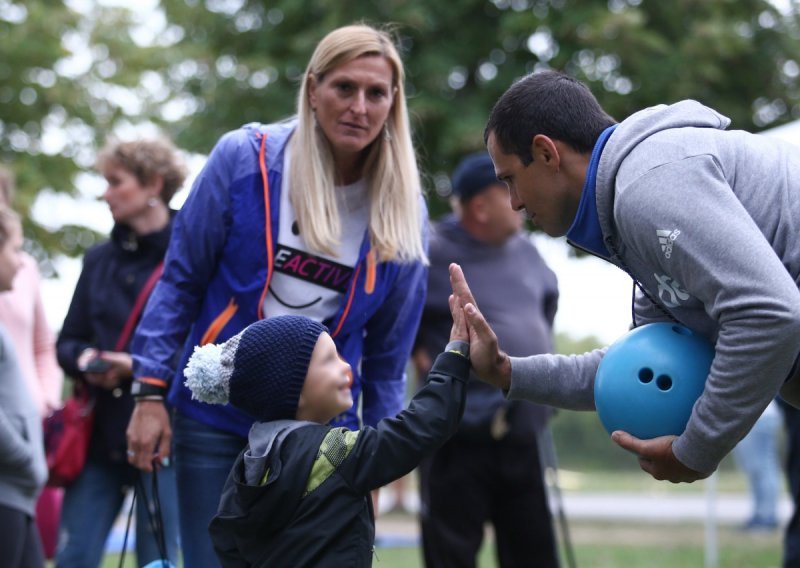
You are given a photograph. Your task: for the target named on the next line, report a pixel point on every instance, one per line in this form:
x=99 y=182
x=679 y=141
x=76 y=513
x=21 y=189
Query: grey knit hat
x=260 y=371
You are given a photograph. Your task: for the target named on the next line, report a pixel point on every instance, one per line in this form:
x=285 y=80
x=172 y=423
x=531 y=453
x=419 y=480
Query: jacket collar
x=585 y=231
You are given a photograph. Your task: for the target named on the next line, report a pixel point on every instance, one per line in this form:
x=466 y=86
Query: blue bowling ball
x=649 y=380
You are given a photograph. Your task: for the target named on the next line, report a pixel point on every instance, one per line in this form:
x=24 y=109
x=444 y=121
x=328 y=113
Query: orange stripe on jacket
x=213 y=331
x=262 y=165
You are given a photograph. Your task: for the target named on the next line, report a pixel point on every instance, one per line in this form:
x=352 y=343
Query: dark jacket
x=288 y=521
x=113 y=274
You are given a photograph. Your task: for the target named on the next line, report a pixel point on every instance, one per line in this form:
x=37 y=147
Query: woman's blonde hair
x=390 y=167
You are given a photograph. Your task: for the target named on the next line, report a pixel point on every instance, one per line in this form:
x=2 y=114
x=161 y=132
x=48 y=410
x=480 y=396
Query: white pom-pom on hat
x=204 y=375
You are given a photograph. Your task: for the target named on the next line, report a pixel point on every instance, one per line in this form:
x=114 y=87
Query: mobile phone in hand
x=96 y=365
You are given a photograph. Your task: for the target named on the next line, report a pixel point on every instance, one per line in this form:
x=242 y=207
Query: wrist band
x=459 y=347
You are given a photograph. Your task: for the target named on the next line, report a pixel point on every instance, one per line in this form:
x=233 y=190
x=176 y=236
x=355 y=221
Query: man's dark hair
x=549 y=103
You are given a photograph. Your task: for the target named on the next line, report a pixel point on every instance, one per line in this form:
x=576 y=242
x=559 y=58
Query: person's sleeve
x=562 y=381
x=49 y=373
x=722 y=260
x=198 y=238
x=397 y=445
x=388 y=341
x=15 y=451
x=77 y=332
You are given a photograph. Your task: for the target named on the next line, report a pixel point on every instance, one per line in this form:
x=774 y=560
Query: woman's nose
x=359 y=105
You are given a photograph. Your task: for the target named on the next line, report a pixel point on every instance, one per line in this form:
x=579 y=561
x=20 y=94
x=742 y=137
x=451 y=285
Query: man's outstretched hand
x=657 y=459
x=490 y=363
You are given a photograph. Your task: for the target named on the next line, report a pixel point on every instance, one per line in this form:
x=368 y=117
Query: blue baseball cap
x=472 y=175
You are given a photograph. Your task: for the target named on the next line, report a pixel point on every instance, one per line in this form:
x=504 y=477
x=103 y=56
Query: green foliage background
x=199 y=68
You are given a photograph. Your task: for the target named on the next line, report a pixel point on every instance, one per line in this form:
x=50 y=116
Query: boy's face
x=326 y=391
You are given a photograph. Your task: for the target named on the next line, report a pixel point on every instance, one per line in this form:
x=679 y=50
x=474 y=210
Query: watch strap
x=145 y=388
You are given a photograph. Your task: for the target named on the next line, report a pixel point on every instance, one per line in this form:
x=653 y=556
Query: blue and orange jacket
x=219 y=265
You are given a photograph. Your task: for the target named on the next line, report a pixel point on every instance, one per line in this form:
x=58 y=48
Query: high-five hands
x=459 y=331
x=490 y=363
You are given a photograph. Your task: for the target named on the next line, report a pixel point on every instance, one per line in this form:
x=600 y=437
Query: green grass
x=607 y=544
x=636 y=481
x=614 y=545
x=601 y=544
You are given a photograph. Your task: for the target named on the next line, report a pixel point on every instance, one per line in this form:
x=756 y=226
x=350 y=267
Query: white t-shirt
x=306 y=283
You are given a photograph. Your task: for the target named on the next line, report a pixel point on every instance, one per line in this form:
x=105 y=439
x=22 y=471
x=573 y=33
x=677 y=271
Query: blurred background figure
x=23 y=468
x=758 y=457
x=22 y=313
x=490 y=470
x=142 y=177
x=791 y=539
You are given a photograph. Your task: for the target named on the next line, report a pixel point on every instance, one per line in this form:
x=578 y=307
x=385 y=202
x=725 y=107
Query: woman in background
x=142 y=177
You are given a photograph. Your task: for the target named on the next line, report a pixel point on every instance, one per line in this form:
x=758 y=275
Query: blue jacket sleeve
x=389 y=338
x=198 y=238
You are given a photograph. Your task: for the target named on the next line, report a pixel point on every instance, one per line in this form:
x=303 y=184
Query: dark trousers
x=791 y=542
x=464 y=485
x=19 y=540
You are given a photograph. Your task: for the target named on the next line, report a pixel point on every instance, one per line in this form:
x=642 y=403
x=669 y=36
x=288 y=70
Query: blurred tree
x=200 y=68
x=567 y=345
x=63 y=89
x=241 y=60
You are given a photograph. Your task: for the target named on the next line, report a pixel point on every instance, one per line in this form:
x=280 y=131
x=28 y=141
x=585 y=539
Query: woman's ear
x=311 y=91
x=155 y=186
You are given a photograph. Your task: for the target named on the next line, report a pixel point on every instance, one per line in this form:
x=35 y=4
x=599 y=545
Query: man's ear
x=478 y=207
x=543 y=148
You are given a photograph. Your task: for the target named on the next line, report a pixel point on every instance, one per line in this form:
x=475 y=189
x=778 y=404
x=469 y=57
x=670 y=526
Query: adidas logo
x=665 y=239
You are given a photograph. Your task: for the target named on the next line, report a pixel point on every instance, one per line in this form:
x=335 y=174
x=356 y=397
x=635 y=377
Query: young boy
x=299 y=493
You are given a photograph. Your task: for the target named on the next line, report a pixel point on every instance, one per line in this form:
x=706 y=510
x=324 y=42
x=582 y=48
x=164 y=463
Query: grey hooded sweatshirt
x=23 y=469
x=707 y=221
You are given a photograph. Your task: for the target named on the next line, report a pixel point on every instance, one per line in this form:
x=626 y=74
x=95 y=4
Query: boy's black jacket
x=274 y=525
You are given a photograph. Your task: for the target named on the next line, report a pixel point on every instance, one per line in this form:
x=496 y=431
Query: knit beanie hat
x=260 y=371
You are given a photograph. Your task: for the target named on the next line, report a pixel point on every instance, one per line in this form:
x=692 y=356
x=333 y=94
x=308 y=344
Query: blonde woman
x=321 y=215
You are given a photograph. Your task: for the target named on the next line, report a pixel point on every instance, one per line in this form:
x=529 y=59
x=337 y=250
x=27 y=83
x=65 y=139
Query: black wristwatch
x=141 y=389
x=459 y=347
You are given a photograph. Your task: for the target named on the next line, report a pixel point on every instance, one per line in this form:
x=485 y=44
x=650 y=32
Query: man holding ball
x=704 y=220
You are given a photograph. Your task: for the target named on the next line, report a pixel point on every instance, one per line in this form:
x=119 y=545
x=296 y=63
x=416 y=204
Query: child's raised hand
x=459 y=331
x=490 y=363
